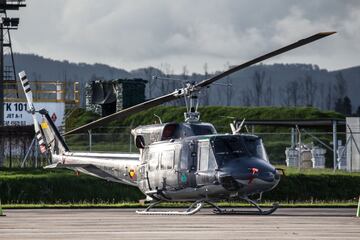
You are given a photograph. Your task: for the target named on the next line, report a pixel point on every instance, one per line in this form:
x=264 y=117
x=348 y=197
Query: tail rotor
x=29 y=97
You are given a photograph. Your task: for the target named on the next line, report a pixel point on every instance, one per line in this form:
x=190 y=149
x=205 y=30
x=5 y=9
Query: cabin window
x=153 y=161
x=207 y=159
x=204 y=156
x=184 y=158
x=167 y=159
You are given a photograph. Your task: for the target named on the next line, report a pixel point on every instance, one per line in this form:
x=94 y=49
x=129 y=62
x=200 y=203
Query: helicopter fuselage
x=211 y=167
x=184 y=162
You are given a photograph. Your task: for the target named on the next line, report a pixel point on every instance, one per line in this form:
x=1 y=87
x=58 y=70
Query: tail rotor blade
x=27 y=90
x=38 y=134
x=29 y=97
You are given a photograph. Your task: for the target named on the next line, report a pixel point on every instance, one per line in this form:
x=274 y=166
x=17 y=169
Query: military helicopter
x=187 y=162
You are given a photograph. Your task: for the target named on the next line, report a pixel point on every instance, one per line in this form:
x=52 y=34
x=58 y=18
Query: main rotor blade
x=179 y=93
x=125 y=113
x=297 y=44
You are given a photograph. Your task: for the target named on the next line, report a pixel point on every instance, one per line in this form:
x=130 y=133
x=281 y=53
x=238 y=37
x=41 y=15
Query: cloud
x=133 y=34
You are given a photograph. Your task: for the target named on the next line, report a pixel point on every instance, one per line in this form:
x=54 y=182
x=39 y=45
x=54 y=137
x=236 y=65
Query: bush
x=321 y=187
x=63 y=187
x=39 y=186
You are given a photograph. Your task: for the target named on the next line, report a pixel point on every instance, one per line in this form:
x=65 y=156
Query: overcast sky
x=131 y=34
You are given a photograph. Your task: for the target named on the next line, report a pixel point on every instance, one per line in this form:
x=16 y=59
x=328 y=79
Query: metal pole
x=2 y=143
x=300 y=160
x=334 y=144
x=351 y=143
x=293 y=141
x=1 y=74
x=90 y=140
x=36 y=153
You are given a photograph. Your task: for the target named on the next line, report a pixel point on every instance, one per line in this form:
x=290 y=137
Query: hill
x=259 y=85
x=217 y=115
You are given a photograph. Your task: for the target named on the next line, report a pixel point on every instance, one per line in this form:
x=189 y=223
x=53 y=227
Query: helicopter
x=182 y=162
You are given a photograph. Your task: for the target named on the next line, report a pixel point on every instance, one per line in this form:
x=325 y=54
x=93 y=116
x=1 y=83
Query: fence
x=119 y=139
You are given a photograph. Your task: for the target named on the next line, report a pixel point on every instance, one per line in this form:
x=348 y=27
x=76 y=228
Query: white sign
x=15 y=113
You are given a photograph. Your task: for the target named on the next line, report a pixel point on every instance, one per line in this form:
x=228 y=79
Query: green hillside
x=221 y=117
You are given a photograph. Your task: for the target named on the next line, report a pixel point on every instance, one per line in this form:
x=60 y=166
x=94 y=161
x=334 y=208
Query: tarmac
x=285 y=223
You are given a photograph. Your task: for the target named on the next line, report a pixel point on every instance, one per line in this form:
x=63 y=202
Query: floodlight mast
x=7 y=24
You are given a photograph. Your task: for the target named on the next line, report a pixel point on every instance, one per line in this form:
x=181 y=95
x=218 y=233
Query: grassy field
x=62 y=188
x=347 y=204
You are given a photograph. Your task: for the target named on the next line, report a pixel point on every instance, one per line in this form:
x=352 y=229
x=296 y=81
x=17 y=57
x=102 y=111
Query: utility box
x=107 y=97
x=311 y=156
x=318 y=157
x=306 y=158
x=353 y=144
x=292 y=157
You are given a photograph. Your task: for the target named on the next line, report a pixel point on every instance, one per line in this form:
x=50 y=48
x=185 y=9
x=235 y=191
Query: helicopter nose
x=261 y=174
x=254 y=179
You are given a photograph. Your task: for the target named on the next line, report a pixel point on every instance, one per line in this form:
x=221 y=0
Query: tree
x=309 y=90
x=321 y=102
x=258 y=84
x=339 y=105
x=358 y=111
x=286 y=96
x=293 y=90
x=347 y=106
x=344 y=106
x=228 y=86
x=340 y=88
x=329 y=97
x=268 y=97
x=246 y=97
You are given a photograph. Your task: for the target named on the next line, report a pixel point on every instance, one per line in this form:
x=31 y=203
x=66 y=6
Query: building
x=106 y=97
x=353 y=144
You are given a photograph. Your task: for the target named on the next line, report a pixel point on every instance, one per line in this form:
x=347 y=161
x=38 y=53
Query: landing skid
x=260 y=211
x=196 y=206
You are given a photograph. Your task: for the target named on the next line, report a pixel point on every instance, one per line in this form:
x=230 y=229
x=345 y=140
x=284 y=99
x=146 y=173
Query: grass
x=345 y=204
x=39 y=172
x=316 y=171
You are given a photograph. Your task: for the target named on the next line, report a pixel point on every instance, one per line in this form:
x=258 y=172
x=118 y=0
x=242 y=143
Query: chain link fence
x=119 y=139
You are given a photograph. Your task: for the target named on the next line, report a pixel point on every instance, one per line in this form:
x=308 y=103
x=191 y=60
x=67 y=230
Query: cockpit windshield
x=237 y=146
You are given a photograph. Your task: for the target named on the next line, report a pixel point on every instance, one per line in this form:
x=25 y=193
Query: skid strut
x=260 y=211
x=194 y=208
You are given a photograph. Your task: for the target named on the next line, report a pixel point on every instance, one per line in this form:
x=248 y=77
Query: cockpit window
x=228 y=147
x=237 y=146
x=255 y=147
x=171 y=131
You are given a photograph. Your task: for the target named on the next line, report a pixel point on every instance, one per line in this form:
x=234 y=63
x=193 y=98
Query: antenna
x=7 y=24
x=158 y=118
